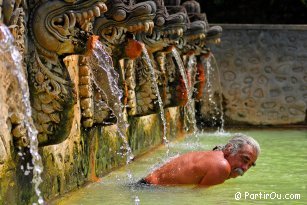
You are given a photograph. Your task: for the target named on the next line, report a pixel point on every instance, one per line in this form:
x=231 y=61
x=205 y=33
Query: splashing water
x=106 y=79
x=182 y=72
x=220 y=94
x=189 y=105
x=217 y=107
x=136 y=200
x=155 y=85
x=7 y=48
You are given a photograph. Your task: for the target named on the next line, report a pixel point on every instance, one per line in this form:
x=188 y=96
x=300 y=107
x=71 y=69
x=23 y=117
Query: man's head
x=241 y=152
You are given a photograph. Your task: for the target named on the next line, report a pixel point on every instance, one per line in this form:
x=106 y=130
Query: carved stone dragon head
x=124 y=17
x=58 y=28
x=199 y=33
x=63 y=26
x=169 y=27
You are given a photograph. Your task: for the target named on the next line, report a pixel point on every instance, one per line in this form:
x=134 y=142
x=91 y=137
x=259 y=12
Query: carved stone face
x=197 y=28
x=168 y=28
x=122 y=18
x=62 y=26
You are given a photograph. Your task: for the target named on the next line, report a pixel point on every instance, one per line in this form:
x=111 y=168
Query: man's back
x=208 y=168
x=192 y=168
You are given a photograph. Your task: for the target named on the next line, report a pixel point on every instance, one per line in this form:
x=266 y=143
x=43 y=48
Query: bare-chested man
x=207 y=168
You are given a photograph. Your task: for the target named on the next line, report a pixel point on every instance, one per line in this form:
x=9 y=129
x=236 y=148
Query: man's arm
x=216 y=174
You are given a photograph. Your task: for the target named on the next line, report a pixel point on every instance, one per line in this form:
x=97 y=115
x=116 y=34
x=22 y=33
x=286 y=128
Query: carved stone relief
x=57 y=28
x=116 y=30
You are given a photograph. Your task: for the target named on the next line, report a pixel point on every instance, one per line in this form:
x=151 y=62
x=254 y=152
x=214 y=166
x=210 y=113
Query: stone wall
x=96 y=151
x=87 y=153
x=263 y=73
x=67 y=123
x=10 y=103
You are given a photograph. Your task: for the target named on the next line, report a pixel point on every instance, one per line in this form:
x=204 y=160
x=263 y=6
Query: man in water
x=208 y=168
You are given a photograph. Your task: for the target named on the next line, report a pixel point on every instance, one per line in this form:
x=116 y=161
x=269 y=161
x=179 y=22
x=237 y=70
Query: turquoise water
x=281 y=172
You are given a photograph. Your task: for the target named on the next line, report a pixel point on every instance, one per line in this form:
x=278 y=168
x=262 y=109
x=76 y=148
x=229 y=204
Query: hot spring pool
x=280 y=174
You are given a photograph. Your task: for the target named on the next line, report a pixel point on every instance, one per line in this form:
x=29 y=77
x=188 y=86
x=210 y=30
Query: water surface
x=281 y=169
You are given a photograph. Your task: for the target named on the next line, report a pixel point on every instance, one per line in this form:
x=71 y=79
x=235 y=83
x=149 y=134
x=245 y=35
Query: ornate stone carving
x=57 y=28
x=197 y=26
x=85 y=92
x=168 y=30
x=198 y=35
x=14 y=18
x=145 y=93
x=130 y=80
x=116 y=30
x=124 y=17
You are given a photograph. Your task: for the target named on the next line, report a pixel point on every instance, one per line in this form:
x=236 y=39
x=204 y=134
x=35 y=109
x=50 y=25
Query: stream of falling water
x=189 y=105
x=7 y=48
x=106 y=79
x=182 y=72
x=210 y=90
x=155 y=85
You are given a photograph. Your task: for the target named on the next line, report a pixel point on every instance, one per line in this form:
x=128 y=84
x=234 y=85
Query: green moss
x=8 y=184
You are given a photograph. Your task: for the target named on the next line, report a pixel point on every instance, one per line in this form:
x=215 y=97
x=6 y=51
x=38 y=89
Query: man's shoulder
x=223 y=164
x=216 y=167
x=216 y=159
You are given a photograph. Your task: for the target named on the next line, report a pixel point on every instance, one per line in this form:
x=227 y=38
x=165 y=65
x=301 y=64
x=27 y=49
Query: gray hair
x=238 y=140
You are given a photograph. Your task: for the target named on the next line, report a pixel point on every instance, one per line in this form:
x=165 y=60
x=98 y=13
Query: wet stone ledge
x=98 y=150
